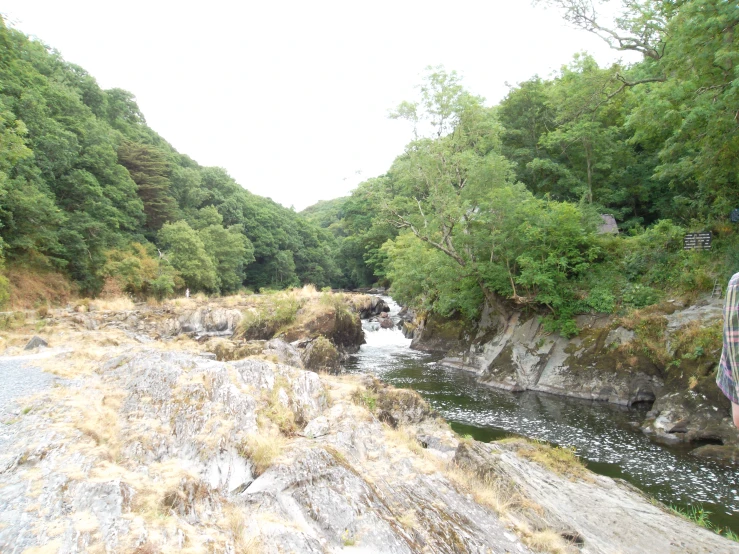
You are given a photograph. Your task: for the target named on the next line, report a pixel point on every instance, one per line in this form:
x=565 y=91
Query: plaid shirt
x=728 y=369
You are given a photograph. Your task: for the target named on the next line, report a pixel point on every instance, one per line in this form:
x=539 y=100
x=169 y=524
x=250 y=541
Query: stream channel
x=606 y=437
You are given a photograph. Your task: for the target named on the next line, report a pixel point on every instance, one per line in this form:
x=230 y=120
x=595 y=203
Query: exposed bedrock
x=662 y=360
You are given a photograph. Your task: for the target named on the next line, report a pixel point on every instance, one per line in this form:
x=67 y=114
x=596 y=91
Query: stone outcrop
x=690 y=417
x=169 y=451
x=438 y=334
x=598 y=513
x=203 y=321
x=521 y=355
x=174 y=466
x=320 y=355
x=375 y=307
x=605 y=362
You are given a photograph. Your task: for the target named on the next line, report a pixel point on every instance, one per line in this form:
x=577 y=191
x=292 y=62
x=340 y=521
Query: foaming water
x=605 y=436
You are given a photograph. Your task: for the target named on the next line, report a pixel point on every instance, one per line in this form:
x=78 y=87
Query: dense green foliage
x=87 y=188
x=484 y=203
x=505 y=201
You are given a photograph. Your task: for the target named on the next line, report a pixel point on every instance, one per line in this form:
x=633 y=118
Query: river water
x=606 y=437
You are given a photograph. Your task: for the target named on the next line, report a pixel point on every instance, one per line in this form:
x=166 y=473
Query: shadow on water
x=605 y=436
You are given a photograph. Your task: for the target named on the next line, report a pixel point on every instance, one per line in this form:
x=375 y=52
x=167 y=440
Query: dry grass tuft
x=544 y=540
x=96 y=415
x=115 y=304
x=263 y=450
x=277 y=408
x=559 y=460
x=169 y=488
x=236 y=525
x=486 y=491
x=405 y=439
x=86 y=351
x=408 y=520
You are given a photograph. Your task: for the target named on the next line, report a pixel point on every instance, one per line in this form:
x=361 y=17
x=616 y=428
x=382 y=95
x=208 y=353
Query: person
x=187 y=293
x=728 y=369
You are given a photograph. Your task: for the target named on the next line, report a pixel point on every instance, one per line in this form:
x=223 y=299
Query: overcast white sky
x=291 y=97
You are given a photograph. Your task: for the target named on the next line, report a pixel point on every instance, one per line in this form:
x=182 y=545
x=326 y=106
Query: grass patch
x=560 y=460
x=277 y=408
x=348 y=539
x=408 y=520
x=486 y=490
x=364 y=397
x=235 y=523
x=116 y=304
x=544 y=540
x=262 y=450
x=269 y=316
x=31 y=287
x=700 y=516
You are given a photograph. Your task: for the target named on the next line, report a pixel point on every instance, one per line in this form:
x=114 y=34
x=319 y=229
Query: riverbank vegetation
x=508 y=200
x=487 y=202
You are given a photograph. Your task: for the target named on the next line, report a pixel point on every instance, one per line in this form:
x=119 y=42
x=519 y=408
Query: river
x=605 y=436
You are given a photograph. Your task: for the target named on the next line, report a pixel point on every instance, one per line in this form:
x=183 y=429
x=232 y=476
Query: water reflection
x=606 y=436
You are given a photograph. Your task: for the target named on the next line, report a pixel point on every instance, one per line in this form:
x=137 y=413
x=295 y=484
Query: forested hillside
x=88 y=190
x=505 y=201
x=486 y=201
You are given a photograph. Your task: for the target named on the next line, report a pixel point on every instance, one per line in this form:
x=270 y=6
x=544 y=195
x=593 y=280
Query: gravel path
x=18 y=379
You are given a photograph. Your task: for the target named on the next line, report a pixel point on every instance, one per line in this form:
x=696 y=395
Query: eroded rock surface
x=603 y=514
x=607 y=362
x=170 y=451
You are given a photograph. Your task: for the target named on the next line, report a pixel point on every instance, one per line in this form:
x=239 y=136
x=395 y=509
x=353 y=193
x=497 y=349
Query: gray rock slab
x=35 y=342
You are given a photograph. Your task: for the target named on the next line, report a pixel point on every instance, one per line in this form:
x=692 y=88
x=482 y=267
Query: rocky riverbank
x=155 y=446
x=664 y=356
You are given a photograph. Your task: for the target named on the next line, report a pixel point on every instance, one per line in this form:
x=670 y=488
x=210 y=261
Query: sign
x=697 y=241
x=734 y=215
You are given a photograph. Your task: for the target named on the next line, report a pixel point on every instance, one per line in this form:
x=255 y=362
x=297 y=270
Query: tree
x=150 y=170
x=526 y=115
x=186 y=253
x=231 y=252
x=686 y=93
x=444 y=180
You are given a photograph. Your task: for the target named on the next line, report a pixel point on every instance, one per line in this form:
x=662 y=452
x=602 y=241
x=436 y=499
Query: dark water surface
x=606 y=437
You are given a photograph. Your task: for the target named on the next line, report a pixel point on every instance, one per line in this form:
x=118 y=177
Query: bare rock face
x=284 y=352
x=520 y=356
x=204 y=321
x=155 y=452
x=153 y=433
x=512 y=351
x=386 y=321
x=437 y=334
x=597 y=513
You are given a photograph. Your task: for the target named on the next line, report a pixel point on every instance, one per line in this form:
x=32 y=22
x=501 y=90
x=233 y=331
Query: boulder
x=398 y=406
x=376 y=306
x=35 y=342
x=438 y=334
x=386 y=322
x=285 y=352
x=321 y=355
x=690 y=417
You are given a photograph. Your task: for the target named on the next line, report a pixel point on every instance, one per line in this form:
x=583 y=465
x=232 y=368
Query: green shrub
x=639 y=296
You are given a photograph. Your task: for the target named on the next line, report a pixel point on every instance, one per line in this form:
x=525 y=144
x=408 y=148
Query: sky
x=292 y=97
